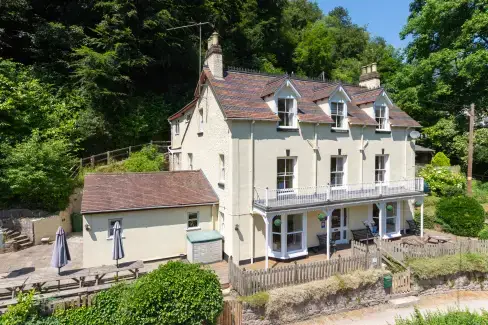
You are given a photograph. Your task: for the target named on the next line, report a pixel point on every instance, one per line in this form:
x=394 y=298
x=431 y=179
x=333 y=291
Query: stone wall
x=475 y=281
x=365 y=296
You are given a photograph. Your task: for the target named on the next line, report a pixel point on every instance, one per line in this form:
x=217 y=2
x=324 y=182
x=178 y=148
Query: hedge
x=453 y=317
x=427 y=268
x=463 y=215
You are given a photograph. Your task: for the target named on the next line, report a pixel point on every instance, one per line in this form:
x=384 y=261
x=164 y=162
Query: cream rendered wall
x=206 y=148
x=269 y=144
x=148 y=234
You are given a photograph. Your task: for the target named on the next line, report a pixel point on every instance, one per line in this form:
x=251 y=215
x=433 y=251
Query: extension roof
x=241 y=95
x=110 y=192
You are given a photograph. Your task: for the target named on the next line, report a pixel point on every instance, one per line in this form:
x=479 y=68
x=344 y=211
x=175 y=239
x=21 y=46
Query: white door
x=338 y=226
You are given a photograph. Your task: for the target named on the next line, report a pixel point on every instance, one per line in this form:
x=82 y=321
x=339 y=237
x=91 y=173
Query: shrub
x=175 y=293
x=442 y=181
x=430 y=203
x=283 y=299
x=464 y=215
x=146 y=160
x=259 y=299
x=427 y=268
x=440 y=160
x=452 y=317
x=22 y=312
x=483 y=234
x=480 y=191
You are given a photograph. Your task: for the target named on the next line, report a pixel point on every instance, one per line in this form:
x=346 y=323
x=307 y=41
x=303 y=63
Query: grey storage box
x=204 y=246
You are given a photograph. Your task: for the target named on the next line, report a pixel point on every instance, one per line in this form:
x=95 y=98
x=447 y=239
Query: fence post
x=81 y=163
x=92 y=161
x=108 y=157
x=295 y=273
x=130 y=150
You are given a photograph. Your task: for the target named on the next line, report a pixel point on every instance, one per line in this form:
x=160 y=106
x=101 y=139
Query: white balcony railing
x=273 y=198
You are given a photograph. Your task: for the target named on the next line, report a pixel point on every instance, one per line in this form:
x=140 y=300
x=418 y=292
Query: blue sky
x=384 y=18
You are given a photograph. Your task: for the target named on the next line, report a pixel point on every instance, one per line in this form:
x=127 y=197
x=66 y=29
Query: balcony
x=273 y=199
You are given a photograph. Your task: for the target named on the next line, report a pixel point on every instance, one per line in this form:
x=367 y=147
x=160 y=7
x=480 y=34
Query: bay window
x=294 y=232
x=288 y=237
x=276 y=234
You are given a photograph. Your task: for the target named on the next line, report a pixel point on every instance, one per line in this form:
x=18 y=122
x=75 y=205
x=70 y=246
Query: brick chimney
x=370 y=78
x=213 y=59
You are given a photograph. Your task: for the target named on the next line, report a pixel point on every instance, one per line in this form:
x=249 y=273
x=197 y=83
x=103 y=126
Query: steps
x=404 y=302
x=19 y=240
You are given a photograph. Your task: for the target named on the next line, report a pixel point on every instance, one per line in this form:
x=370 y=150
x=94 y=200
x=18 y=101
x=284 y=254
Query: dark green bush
x=175 y=293
x=483 y=234
x=464 y=215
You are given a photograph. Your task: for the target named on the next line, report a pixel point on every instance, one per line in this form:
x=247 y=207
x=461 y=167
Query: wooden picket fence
x=248 y=282
x=401 y=282
x=401 y=251
x=232 y=314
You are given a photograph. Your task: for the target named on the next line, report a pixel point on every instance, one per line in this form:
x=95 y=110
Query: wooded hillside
x=84 y=76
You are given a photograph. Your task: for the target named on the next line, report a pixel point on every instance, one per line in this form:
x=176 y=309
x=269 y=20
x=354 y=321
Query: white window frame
x=110 y=234
x=188 y=220
x=221 y=169
x=177 y=127
x=200 y=120
x=290 y=111
x=294 y=232
x=382 y=170
x=190 y=161
x=222 y=222
x=344 y=172
x=381 y=120
x=343 y=116
x=286 y=174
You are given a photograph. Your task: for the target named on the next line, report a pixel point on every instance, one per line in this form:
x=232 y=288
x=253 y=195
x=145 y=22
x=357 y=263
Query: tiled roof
x=104 y=192
x=185 y=109
x=401 y=119
x=240 y=95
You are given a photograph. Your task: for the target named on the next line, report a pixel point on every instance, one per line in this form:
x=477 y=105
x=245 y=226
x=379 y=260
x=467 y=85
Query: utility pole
x=200 y=45
x=470 y=150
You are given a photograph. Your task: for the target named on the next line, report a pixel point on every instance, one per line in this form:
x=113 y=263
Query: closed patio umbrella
x=118 y=248
x=61 y=254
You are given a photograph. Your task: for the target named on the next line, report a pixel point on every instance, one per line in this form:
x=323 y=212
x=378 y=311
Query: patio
x=343 y=251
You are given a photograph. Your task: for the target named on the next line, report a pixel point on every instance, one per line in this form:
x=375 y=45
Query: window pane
x=345 y=217
x=336 y=235
x=333 y=108
x=276 y=228
x=333 y=164
x=294 y=242
x=380 y=176
x=340 y=164
x=288 y=182
x=335 y=222
x=281 y=104
x=289 y=104
x=281 y=182
x=393 y=212
x=282 y=117
x=376 y=211
x=192 y=223
x=276 y=242
x=340 y=108
x=289 y=165
x=295 y=222
x=391 y=225
x=281 y=165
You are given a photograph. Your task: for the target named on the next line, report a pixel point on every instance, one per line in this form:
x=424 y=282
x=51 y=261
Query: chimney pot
x=215 y=38
x=369 y=76
x=214 y=56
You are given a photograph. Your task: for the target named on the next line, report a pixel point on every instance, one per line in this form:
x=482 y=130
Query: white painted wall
x=148 y=234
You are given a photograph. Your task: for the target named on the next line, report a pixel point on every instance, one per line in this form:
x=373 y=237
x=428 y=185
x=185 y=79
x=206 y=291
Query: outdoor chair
x=414 y=227
x=323 y=243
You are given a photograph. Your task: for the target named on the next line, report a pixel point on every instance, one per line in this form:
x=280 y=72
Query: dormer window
x=286 y=112
x=381 y=116
x=338 y=114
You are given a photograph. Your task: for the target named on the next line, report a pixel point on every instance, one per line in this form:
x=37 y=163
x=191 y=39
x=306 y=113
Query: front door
x=338 y=225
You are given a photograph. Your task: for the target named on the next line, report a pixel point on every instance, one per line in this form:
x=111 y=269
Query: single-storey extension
x=156 y=211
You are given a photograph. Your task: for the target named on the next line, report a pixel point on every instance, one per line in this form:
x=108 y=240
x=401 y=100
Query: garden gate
x=401 y=282
x=232 y=313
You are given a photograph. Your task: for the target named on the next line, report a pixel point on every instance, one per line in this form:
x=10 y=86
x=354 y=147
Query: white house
x=283 y=152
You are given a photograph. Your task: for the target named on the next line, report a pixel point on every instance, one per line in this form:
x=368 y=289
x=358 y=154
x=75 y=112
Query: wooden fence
x=248 y=282
x=232 y=314
x=401 y=251
x=116 y=155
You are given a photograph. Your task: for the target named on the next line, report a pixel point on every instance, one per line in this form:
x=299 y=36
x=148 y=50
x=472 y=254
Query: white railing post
x=327 y=192
x=266 y=196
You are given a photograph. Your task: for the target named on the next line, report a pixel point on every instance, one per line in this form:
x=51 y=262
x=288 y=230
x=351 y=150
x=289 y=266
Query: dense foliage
x=462 y=215
x=452 y=317
x=483 y=234
x=440 y=160
x=427 y=268
x=442 y=181
x=175 y=293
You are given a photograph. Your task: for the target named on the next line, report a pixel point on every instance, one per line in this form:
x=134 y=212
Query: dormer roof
x=240 y=95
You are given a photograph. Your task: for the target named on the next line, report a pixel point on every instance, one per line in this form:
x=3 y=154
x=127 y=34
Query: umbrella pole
x=59 y=271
